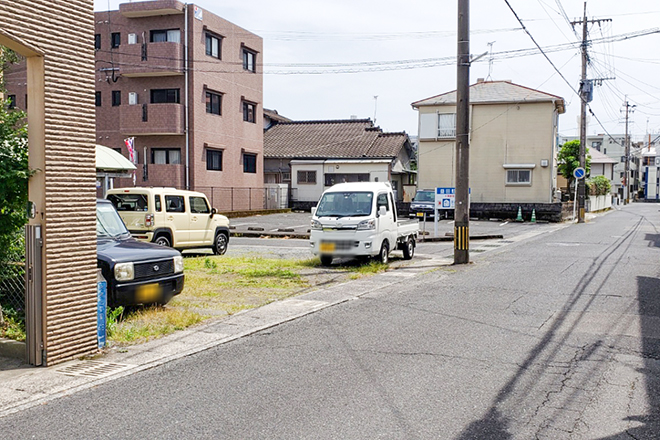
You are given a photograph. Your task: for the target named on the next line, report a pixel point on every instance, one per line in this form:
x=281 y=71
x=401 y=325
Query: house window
x=97 y=41
x=214 y=160
x=249 y=110
x=249 y=60
x=163 y=96
x=447 y=125
x=11 y=101
x=97 y=98
x=132 y=98
x=308 y=177
x=115 y=39
x=519 y=177
x=249 y=163
x=116 y=98
x=286 y=177
x=213 y=103
x=166 y=156
x=623 y=158
x=170 y=35
x=213 y=45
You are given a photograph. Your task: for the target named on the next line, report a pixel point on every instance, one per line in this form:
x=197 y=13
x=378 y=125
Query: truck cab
x=360 y=219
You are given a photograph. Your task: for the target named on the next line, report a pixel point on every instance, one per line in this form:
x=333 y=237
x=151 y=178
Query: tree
x=568 y=160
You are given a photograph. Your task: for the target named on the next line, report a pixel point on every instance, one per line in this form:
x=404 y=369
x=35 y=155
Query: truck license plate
x=327 y=247
x=147 y=293
x=420 y=214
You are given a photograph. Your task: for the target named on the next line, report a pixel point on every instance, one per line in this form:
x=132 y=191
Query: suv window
x=174 y=204
x=198 y=206
x=425 y=196
x=157 y=203
x=129 y=202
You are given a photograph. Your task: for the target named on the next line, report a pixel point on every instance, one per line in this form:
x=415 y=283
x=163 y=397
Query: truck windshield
x=129 y=202
x=425 y=196
x=345 y=204
x=108 y=222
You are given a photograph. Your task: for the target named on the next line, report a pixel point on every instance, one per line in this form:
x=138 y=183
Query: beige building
x=513 y=143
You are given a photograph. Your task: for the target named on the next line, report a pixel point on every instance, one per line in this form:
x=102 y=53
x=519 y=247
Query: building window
x=286 y=177
x=447 y=125
x=116 y=98
x=97 y=98
x=97 y=41
x=163 y=96
x=213 y=45
x=11 y=101
x=308 y=177
x=214 y=160
x=249 y=110
x=519 y=177
x=213 y=103
x=169 y=35
x=623 y=158
x=166 y=156
x=249 y=60
x=115 y=38
x=249 y=163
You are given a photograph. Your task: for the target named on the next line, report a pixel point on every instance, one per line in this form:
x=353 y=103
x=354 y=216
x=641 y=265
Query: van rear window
x=129 y=202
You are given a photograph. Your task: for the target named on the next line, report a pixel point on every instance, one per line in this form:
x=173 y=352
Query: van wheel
x=326 y=260
x=409 y=249
x=220 y=244
x=163 y=240
x=384 y=254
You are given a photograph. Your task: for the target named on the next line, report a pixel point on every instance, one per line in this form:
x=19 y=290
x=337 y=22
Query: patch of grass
x=145 y=324
x=13 y=325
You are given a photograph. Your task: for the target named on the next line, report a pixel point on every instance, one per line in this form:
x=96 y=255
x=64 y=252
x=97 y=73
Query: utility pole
x=462 y=202
x=626 y=175
x=586 y=93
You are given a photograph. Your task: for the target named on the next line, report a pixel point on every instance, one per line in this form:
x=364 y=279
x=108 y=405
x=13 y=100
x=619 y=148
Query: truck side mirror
x=313 y=211
x=213 y=212
x=382 y=211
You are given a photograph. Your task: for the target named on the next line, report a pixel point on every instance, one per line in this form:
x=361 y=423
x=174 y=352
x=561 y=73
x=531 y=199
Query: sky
x=373 y=58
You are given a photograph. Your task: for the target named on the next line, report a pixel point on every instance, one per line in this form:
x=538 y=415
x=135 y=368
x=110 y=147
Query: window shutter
x=428 y=125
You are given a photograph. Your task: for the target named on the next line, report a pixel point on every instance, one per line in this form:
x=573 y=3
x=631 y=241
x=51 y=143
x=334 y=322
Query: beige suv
x=171 y=217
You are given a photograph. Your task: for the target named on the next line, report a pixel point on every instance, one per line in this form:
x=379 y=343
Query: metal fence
x=12 y=276
x=244 y=199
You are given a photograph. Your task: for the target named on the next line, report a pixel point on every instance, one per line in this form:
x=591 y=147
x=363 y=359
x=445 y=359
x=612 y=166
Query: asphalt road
x=551 y=336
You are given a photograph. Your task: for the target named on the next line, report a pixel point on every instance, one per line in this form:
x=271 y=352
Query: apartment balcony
x=152 y=119
x=151 y=59
x=150 y=9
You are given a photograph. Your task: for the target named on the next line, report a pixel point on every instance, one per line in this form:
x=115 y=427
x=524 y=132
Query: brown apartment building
x=187 y=85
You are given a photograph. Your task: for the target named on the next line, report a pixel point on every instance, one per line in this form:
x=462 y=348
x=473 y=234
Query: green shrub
x=598 y=186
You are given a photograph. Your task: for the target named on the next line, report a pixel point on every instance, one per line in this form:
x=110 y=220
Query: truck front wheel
x=326 y=260
x=384 y=254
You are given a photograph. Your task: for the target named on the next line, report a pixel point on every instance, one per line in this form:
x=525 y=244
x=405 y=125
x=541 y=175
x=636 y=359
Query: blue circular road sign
x=579 y=173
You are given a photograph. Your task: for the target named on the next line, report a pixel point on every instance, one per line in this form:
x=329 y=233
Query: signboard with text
x=445 y=198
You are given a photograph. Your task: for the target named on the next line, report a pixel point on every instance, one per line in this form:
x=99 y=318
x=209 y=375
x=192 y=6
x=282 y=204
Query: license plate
x=147 y=293
x=420 y=214
x=327 y=247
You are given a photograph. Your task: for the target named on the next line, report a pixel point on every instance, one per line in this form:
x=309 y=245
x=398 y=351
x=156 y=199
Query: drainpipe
x=186 y=97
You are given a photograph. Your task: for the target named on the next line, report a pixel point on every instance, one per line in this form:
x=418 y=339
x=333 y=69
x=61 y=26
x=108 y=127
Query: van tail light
x=149 y=220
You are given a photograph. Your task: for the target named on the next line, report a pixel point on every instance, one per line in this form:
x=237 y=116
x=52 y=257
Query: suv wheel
x=163 y=240
x=220 y=244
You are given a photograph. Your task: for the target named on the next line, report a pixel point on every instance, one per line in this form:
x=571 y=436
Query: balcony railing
x=152 y=119
x=152 y=59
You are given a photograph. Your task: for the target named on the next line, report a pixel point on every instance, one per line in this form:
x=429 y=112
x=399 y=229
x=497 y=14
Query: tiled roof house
x=314 y=155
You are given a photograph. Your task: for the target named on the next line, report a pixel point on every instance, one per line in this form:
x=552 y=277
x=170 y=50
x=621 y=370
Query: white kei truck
x=360 y=220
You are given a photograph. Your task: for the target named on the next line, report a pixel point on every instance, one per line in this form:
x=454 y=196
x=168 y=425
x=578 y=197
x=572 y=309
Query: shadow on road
x=590 y=359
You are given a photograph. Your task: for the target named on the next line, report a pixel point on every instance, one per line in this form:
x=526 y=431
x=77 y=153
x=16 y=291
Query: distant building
x=513 y=147
x=311 y=156
x=188 y=86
